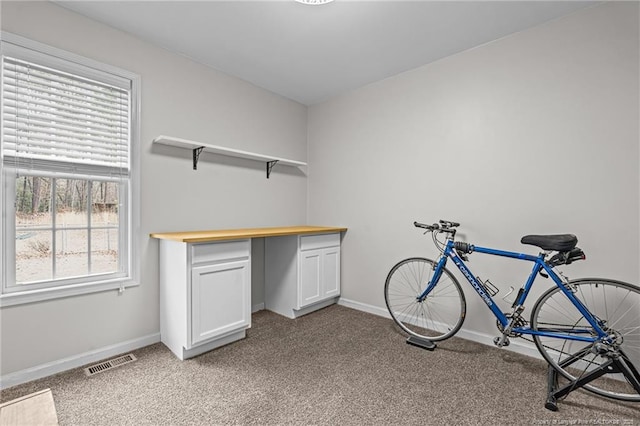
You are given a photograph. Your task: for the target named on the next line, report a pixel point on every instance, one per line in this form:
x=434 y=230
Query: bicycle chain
x=532 y=340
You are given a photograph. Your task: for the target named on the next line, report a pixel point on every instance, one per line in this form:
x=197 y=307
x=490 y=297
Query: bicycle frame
x=538 y=266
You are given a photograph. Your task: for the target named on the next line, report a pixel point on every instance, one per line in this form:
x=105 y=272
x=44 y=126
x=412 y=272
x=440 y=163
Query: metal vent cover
x=108 y=365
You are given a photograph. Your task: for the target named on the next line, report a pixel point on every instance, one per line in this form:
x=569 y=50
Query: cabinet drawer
x=311 y=242
x=215 y=252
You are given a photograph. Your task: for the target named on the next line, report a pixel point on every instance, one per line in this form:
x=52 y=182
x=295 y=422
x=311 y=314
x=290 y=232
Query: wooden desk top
x=238 y=234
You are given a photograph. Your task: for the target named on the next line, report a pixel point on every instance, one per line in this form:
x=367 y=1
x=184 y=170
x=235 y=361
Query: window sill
x=33 y=296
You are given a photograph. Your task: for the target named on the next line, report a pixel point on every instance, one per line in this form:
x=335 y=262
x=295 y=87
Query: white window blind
x=52 y=116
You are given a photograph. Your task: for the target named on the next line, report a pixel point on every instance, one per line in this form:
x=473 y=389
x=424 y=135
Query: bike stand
x=612 y=365
x=421 y=343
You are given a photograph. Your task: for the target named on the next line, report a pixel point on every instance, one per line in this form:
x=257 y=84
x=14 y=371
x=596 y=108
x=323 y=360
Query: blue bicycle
x=588 y=330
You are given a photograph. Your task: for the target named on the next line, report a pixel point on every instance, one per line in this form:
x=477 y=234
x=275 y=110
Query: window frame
x=14 y=294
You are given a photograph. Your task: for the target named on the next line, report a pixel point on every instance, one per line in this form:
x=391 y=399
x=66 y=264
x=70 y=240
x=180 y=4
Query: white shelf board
x=215 y=149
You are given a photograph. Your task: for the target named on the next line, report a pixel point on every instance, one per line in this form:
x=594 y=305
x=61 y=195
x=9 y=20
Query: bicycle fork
x=437 y=268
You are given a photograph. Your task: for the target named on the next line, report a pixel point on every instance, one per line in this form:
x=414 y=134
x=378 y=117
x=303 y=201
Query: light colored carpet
x=337 y=366
x=36 y=409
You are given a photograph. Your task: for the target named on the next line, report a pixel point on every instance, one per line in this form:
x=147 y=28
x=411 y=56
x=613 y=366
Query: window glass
x=86 y=238
x=67 y=127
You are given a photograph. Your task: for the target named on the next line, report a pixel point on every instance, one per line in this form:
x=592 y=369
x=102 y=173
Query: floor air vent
x=108 y=365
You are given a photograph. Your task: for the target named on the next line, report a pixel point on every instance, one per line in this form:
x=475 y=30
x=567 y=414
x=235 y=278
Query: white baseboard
x=257 y=307
x=54 y=367
x=517 y=345
x=75 y=361
x=381 y=312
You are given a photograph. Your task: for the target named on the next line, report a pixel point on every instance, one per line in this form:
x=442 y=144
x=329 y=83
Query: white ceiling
x=311 y=53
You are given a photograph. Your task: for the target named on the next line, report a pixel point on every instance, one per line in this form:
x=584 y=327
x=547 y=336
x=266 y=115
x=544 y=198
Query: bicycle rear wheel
x=617 y=305
x=437 y=317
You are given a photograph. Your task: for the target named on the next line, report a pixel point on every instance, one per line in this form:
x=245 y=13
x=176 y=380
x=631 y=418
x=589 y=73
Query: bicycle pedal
x=496 y=341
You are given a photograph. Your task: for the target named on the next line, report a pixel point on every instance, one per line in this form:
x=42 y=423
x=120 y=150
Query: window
x=69 y=174
x=65 y=228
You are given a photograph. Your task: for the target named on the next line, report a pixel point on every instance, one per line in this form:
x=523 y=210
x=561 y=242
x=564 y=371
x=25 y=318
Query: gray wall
x=555 y=106
x=533 y=133
x=183 y=99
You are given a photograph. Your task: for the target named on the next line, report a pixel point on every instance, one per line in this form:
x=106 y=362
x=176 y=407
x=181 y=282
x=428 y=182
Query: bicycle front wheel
x=617 y=306
x=440 y=315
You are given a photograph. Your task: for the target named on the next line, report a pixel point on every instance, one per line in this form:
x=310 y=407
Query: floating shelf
x=198 y=147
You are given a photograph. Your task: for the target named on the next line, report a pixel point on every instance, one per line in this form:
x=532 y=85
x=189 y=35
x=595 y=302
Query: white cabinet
x=319 y=275
x=205 y=281
x=205 y=294
x=219 y=300
x=302 y=273
x=310 y=290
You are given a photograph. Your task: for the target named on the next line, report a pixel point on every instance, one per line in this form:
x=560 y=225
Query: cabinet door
x=331 y=272
x=310 y=290
x=220 y=299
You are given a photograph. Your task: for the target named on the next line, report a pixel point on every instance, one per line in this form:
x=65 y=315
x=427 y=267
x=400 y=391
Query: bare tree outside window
x=65 y=228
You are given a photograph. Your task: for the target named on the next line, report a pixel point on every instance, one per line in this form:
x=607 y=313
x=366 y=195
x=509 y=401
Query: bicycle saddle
x=561 y=242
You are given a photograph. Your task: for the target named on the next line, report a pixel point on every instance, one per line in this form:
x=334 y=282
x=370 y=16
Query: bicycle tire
x=614 y=302
x=436 y=318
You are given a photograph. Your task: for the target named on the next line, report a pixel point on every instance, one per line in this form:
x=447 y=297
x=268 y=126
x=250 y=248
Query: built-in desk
x=205 y=281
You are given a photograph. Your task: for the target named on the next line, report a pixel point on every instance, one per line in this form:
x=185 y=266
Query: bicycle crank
x=501 y=341
x=514 y=322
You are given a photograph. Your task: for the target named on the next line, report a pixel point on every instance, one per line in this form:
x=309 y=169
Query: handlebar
x=443 y=225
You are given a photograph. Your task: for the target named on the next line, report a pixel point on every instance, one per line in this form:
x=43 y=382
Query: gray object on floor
x=421 y=343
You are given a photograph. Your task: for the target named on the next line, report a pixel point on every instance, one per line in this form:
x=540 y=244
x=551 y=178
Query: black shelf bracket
x=270 y=165
x=196 y=156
